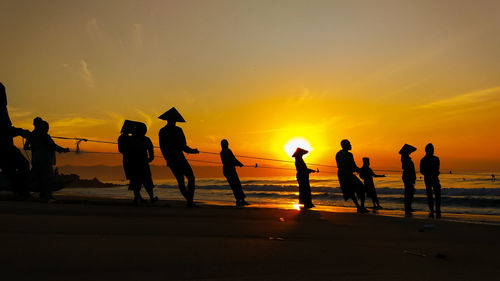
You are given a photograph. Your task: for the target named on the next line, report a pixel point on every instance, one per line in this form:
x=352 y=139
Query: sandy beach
x=103 y=239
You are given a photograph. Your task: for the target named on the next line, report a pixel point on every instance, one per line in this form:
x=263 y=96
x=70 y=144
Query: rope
x=194 y=160
x=79 y=140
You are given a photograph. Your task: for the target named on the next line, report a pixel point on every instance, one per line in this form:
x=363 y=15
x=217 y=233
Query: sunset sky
x=379 y=73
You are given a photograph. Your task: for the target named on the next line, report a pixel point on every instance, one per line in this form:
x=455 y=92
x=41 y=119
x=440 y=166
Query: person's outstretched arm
x=15 y=132
x=235 y=161
x=55 y=147
x=186 y=148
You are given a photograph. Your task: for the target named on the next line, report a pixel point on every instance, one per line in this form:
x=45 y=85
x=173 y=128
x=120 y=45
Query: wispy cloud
x=476 y=97
x=86 y=74
x=20 y=113
x=76 y=122
x=81 y=68
x=118 y=119
x=146 y=116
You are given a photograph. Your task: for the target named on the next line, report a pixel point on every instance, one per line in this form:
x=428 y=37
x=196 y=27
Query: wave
x=380 y=190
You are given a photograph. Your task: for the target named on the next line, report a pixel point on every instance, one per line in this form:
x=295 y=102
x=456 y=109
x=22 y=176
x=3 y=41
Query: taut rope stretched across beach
x=79 y=140
x=203 y=152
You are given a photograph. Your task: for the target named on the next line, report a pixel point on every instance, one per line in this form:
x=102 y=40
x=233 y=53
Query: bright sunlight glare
x=292 y=145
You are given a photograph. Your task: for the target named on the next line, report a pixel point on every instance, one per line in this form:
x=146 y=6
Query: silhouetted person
x=43 y=157
x=349 y=183
x=429 y=167
x=140 y=154
x=409 y=176
x=173 y=145
x=124 y=144
x=367 y=175
x=303 y=172
x=229 y=163
x=12 y=162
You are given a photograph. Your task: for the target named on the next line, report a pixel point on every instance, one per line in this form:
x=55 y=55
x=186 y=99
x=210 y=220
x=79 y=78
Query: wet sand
x=103 y=239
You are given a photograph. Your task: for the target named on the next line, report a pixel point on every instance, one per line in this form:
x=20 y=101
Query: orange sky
x=262 y=72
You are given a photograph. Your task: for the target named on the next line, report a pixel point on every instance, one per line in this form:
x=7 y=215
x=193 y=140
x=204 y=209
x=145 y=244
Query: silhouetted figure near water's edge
x=43 y=157
x=173 y=145
x=140 y=154
x=229 y=163
x=12 y=162
x=409 y=177
x=124 y=144
x=303 y=172
x=367 y=175
x=350 y=183
x=429 y=167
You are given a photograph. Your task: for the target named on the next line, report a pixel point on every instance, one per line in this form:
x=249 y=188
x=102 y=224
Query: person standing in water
x=229 y=163
x=367 y=175
x=140 y=154
x=43 y=157
x=173 y=145
x=350 y=183
x=409 y=176
x=303 y=172
x=429 y=167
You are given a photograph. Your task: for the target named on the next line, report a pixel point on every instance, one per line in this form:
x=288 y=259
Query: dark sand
x=97 y=239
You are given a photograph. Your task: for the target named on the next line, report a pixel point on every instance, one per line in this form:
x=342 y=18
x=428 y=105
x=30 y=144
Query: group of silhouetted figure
x=15 y=166
x=353 y=188
x=138 y=152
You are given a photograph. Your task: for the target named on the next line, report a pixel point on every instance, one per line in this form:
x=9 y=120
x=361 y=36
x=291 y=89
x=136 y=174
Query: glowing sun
x=292 y=145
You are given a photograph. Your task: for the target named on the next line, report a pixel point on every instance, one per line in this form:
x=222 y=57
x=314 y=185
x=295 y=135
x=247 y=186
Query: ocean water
x=474 y=194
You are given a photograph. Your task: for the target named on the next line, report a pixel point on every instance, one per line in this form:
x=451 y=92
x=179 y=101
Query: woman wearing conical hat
x=303 y=178
x=409 y=176
x=173 y=145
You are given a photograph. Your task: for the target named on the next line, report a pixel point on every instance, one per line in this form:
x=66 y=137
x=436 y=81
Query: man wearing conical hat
x=173 y=146
x=12 y=162
x=350 y=184
x=409 y=176
x=303 y=172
